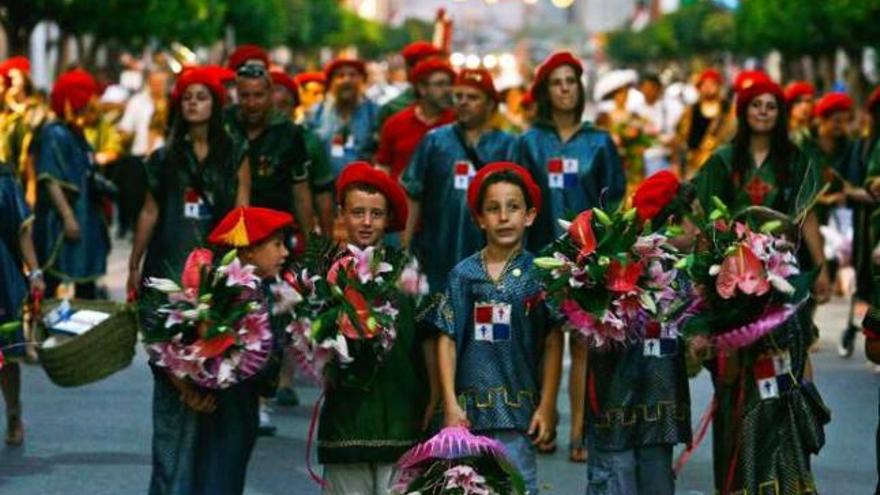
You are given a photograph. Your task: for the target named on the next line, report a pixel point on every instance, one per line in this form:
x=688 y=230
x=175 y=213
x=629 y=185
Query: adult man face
x=472 y=106
x=346 y=84
x=254 y=97
x=436 y=90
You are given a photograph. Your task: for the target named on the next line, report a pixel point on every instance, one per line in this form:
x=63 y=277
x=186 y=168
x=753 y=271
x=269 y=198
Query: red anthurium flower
x=581 y=232
x=623 y=278
x=192 y=269
x=215 y=346
x=362 y=310
x=2 y=360
x=655 y=193
x=744 y=271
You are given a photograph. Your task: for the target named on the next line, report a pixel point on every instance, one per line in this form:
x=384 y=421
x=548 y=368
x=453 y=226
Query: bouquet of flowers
x=748 y=280
x=214 y=327
x=610 y=274
x=456 y=462
x=346 y=319
x=633 y=137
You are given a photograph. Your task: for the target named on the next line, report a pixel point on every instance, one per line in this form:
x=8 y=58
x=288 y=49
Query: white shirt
x=136 y=122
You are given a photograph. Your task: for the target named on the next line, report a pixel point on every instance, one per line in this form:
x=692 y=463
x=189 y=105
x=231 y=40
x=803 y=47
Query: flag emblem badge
x=491 y=322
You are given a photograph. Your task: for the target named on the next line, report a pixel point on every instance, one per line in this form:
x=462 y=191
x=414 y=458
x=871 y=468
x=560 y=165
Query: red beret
x=222 y=74
x=283 y=79
x=796 y=89
x=480 y=79
x=22 y=64
x=745 y=96
x=248 y=225
x=532 y=188
x=747 y=78
x=337 y=64
x=832 y=103
x=655 y=193
x=364 y=173
x=710 y=74
x=309 y=77
x=415 y=52
x=248 y=52
x=528 y=98
x=76 y=87
x=199 y=75
x=873 y=100
x=555 y=61
x=425 y=68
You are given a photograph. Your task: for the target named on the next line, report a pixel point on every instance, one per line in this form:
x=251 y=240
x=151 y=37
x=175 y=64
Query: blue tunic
x=438 y=177
x=67 y=159
x=572 y=175
x=499 y=331
x=14 y=215
x=347 y=142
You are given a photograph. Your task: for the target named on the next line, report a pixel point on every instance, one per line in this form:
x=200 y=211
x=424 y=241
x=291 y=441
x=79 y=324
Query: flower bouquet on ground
x=456 y=462
x=611 y=274
x=343 y=305
x=214 y=329
x=747 y=276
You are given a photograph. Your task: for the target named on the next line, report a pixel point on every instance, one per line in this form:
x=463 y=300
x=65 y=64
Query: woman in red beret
x=771 y=441
x=704 y=126
x=69 y=232
x=800 y=98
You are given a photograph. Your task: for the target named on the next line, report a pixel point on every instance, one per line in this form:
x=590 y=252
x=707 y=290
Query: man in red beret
x=800 y=97
x=432 y=81
x=440 y=171
x=346 y=121
x=704 y=125
x=248 y=54
x=363 y=431
x=412 y=54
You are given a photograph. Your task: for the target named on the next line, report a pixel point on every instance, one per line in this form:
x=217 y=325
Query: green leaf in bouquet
x=229 y=257
x=630 y=215
x=548 y=263
x=10 y=327
x=674 y=231
x=324 y=327
x=771 y=227
x=716 y=215
x=603 y=217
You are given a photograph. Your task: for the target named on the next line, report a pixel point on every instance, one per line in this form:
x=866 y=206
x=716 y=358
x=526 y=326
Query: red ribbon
x=705 y=421
x=314 y=422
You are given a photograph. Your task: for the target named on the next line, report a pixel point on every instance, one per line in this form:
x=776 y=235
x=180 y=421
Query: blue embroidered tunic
x=14 y=216
x=347 y=142
x=438 y=177
x=572 y=175
x=499 y=329
x=67 y=159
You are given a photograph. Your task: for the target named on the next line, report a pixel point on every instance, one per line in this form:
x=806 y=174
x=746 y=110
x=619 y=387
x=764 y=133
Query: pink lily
x=240 y=275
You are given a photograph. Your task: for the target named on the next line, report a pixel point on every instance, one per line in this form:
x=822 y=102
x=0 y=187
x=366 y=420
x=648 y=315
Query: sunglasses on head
x=252 y=70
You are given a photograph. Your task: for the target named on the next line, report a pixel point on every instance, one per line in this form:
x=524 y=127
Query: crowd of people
x=471 y=181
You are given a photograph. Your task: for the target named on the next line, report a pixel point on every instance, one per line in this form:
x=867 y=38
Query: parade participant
x=704 y=126
x=311 y=92
x=440 y=172
x=274 y=147
x=499 y=353
x=203 y=439
x=248 y=54
x=363 y=431
x=16 y=251
x=22 y=116
x=69 y=233
x=760 y=439
x=661 y=114
x=190 y=181
x=800 y=99
x=346 y=120
x=412 y=54
x=639 y=399
x=432 y=82
x=627 y=129
x=871 y=325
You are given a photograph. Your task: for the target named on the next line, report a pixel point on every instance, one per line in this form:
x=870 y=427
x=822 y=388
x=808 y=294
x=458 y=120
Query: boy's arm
x=454 y=415
x=429 y=349
x=543 y=421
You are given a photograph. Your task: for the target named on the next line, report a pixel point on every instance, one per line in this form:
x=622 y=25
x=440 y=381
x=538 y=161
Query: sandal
x=577 y=451
x=14 y=428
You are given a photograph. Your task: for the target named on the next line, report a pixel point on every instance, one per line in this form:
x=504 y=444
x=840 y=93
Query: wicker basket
x=96 y=354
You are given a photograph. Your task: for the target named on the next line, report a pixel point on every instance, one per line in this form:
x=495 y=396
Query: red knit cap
x=747 y=78
x=309 y=77
x=480 y=79
x=75 y=87
x=417 y=51
x=832 y=103
x=248 y=225
x=283 y=79
x=338 y=63
x=248 y=52
x=796 y=89
x=473 y=192
x=199 y=75
x=554 y=62
x=655 y=193
x=425 y=68
x=744 y=97
x=364 y=173
x=710 y=75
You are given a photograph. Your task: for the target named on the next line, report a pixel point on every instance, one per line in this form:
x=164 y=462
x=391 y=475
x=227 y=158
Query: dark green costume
x=761 y=439
x=318 y=165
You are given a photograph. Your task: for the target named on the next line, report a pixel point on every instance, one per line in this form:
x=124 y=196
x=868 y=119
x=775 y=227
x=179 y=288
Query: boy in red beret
x=363 y=431
x=499 y=350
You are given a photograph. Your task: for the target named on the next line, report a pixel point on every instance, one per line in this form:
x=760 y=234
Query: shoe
x=266 y=428
x=14 y=428
x=847 y=343
x=287 y=397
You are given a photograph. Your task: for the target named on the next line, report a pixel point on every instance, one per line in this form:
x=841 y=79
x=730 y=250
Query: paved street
x=96 y=439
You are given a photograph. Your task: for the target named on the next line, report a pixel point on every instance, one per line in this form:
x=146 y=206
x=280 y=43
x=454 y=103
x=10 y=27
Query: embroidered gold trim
x=485 y=399
x=651 y=414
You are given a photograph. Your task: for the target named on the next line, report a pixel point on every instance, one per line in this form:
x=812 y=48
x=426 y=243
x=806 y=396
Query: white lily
x=163 y=285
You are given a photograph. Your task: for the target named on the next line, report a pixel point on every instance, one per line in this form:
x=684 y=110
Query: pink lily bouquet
x=456 y=462
x=214 y=329
x=748 y=280
x=609 y=275
x=343 y=315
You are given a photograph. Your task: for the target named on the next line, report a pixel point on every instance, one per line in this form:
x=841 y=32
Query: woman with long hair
x=764 y=439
